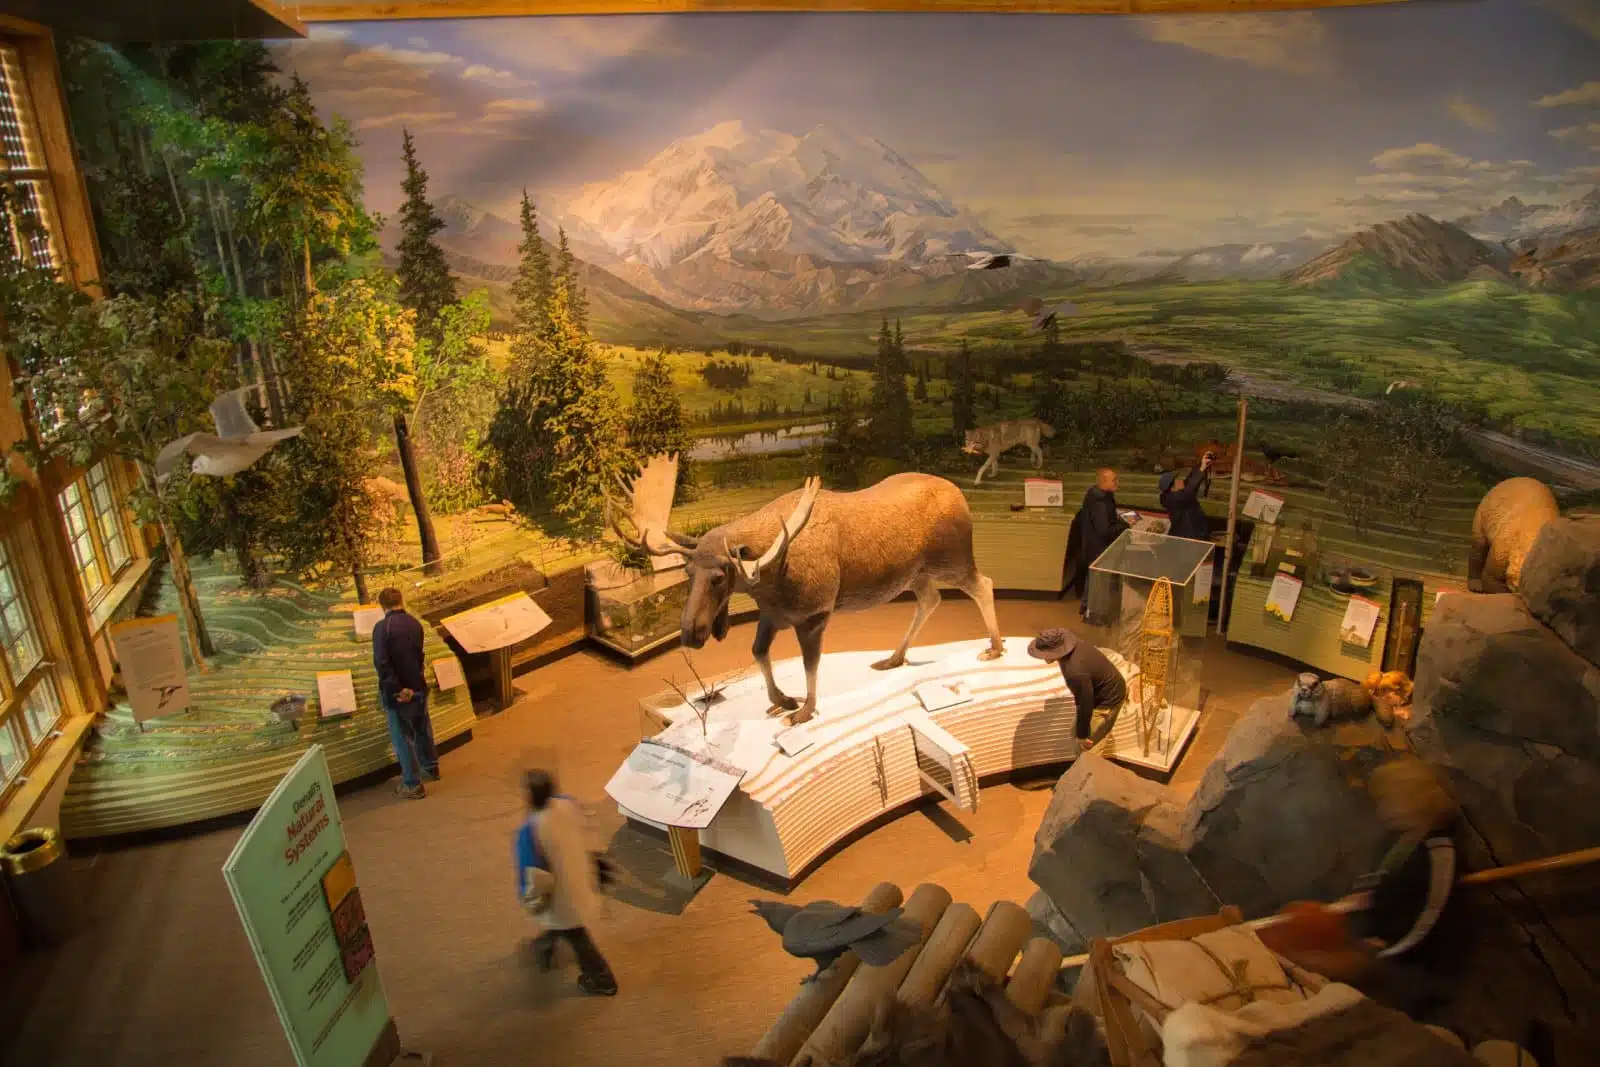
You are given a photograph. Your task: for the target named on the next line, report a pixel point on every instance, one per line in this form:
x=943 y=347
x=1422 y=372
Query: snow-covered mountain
x=733 y=192
x=1512 y=218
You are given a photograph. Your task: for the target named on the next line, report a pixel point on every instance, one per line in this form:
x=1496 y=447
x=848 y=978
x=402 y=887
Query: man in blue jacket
x=1180 y=496
x=403 y=692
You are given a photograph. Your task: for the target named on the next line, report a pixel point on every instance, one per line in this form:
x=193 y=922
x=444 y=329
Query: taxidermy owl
x=1334 y=699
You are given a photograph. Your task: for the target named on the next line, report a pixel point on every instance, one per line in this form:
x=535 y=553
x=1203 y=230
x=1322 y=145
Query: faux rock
x=1561 y=583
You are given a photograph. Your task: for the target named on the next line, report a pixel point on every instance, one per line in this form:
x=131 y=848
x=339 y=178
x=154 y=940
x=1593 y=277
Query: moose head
x=718 y=562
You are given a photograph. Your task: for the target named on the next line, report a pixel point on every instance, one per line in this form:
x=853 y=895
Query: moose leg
x=927 y=600
x=981 y=589
x=765 y=632
x=809 y=634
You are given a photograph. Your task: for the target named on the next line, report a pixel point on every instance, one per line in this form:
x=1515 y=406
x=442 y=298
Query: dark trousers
x=590 y=962
x=411 y=734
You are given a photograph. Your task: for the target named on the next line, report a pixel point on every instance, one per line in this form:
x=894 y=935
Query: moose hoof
x=783 y=703
x=889 y=664
x=991 y=653
x=804 y=715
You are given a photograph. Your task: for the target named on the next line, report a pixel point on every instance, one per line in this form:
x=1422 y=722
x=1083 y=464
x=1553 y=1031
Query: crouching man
x=1093 y=680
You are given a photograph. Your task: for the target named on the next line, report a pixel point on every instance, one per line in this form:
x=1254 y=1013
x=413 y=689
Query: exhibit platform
x=881 y=741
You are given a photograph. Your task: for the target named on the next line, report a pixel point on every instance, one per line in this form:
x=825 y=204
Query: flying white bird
x=1401 y=384
x=237 y=444
x=979 y=260
x=1043 y=316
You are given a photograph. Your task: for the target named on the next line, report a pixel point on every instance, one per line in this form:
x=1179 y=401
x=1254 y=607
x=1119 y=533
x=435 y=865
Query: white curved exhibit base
x=872 y=747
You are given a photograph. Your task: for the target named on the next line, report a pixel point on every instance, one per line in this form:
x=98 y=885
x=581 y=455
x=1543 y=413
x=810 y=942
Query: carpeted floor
x=163 y=976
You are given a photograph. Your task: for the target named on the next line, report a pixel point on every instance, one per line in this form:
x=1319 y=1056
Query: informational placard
x=1042 y=493
x=366 y=618
x=670 y=785
x=1283 y=596
x=794 y=740
x=497 y=624
x=1360 y=620
x=336 y=694
x=316 y=959
x=936 y=696
x=937 y=748
x=1263 y=507
x=1202 y=582
x=447 y=673
x=150 y=657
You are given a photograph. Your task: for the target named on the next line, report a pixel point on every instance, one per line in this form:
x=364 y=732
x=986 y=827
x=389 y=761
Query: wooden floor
x=164 y=976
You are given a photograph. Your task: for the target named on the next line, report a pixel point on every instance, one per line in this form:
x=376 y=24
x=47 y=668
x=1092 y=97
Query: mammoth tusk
x=790 y=530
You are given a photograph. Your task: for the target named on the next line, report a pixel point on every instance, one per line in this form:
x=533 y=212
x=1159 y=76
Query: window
x=30 y=703
x=26 y=216
x=81 y=534
x=108 y=516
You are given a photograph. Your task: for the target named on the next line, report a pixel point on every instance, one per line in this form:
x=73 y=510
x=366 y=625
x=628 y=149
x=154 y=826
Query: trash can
x=42 y=888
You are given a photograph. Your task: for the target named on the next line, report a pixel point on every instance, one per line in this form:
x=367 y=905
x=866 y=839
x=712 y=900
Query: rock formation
x=1507 y=710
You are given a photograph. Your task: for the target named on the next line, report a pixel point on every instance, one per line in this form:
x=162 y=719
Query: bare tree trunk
x=361 y=585
x=419 y=502
x=305 y=247
x=177 y=200
x=216 y=233
x=233 y=244
x=200 y=645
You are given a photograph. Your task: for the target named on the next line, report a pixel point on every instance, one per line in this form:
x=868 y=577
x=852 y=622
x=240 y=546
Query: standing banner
x=295 y=888
x=150 y=657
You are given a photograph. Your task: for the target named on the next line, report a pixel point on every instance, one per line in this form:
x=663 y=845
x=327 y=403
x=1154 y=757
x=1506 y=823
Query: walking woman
x=558 y=881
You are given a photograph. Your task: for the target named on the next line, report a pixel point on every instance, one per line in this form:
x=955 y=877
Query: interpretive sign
x=497 y=624
x=1263 y=506
x=1283 y=596
x=150 y=656
x=673 y=786
x=295 y=889
x=1202 y=582
x=336 y=694
x=366 y=618
x=1042 y=493
x=447 y=673
x=1360 y=620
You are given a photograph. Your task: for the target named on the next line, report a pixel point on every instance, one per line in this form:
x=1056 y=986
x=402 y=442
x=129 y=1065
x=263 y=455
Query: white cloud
x=322 y=33
x=569 y=43
x=417 y=42
x=384 y=55
x=413 y=120
x=500 y=79
x=510 y=110
x=1586 y=135
x=1587 y=94
x=367 y=94
x=1294 y=42
x=1473 y=116
x=1425 y=157
x=1406 y=178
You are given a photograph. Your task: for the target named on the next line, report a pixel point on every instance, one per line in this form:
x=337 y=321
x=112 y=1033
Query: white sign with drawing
x=1360 y=620
x=1263 y=506
x=366 y=618
x=447 y=673
x=150 y=656
x=336 y=694
x=1283 y=596
x=673 y=786
x=1202 y=582
x=497 y=624
x=1042 y=493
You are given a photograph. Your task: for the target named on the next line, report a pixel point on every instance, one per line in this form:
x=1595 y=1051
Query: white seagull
x=237 y=444
x=981 y=260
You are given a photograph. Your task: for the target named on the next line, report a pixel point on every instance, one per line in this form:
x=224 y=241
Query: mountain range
x=1511 y=218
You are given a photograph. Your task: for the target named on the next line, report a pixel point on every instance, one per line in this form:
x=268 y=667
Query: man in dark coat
x=403 y=692
x=1092 y=679
x=1100 y=524
x=1180 y=496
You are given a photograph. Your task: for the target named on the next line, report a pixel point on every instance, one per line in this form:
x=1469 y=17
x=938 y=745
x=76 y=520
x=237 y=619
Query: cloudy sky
x=1071 y=135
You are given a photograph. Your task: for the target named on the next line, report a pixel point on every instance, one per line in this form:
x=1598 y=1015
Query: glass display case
x=1149 y=600
x=634 y=612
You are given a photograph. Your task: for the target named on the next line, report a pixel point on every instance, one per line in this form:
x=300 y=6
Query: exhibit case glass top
x=1149 y=601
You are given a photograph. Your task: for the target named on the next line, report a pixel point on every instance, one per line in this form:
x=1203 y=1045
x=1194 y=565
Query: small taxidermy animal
x=822 y=931
x=1391 y=689
x=1335 y=699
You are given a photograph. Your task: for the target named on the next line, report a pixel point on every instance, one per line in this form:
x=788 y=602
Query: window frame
x=106 y=570
x=34 y=173
x=17 y=694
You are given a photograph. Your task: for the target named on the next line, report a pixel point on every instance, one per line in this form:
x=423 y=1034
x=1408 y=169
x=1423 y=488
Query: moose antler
x=657 y=478
x=791 y=529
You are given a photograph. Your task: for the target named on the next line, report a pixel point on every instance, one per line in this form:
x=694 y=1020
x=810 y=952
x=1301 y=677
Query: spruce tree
x=963 y=397
x=889 y=409
x=531 y=289
x=655 y=419
x=567 y=271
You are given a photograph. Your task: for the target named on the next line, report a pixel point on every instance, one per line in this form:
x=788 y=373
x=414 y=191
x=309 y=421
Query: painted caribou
x=813 y=552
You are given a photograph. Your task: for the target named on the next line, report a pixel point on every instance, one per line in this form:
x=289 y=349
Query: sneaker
x=598 y=985
x=410 y=792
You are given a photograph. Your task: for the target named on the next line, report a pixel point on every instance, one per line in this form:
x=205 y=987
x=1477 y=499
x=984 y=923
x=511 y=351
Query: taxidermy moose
x=811 y=553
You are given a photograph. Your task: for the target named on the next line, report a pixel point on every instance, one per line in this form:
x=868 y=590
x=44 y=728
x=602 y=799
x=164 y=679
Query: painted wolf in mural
x=813 y=552
x=1003 y=436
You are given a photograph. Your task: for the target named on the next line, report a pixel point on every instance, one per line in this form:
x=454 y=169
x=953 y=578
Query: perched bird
x=822 y=931
x=237 y=444
x=980 y=260
x=1275 y=454
x=1043 y=316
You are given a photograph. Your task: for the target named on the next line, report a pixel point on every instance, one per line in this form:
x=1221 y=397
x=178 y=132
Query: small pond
x=786 y=439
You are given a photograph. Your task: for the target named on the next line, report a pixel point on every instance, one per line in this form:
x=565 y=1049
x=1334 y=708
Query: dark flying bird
x=822 y=931
x=1044 y=315
x=980 y=260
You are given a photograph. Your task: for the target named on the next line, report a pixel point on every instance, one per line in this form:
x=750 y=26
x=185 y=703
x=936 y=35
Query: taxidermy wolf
x=812 y=552
x=1002 y=437
x=1337 y=699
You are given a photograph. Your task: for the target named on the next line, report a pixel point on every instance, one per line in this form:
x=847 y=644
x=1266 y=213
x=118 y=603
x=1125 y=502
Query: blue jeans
x=411 y=733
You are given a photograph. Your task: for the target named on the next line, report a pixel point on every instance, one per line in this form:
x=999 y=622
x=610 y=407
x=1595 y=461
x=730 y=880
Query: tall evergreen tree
x=427 y=288
x=846 y=447
x=567 y=271
x=890 y=405
x=655 y=419
x=531 y=289
x=963 y=395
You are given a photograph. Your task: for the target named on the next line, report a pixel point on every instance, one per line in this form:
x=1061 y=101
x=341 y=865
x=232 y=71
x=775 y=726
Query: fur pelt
x=1504 y=528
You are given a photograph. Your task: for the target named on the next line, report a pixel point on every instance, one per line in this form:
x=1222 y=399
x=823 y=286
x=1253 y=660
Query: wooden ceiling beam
x=397 y=10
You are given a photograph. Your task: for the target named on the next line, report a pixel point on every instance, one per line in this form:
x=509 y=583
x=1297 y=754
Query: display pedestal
x=871 y=749
x=505 y=694
x=688 y=875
